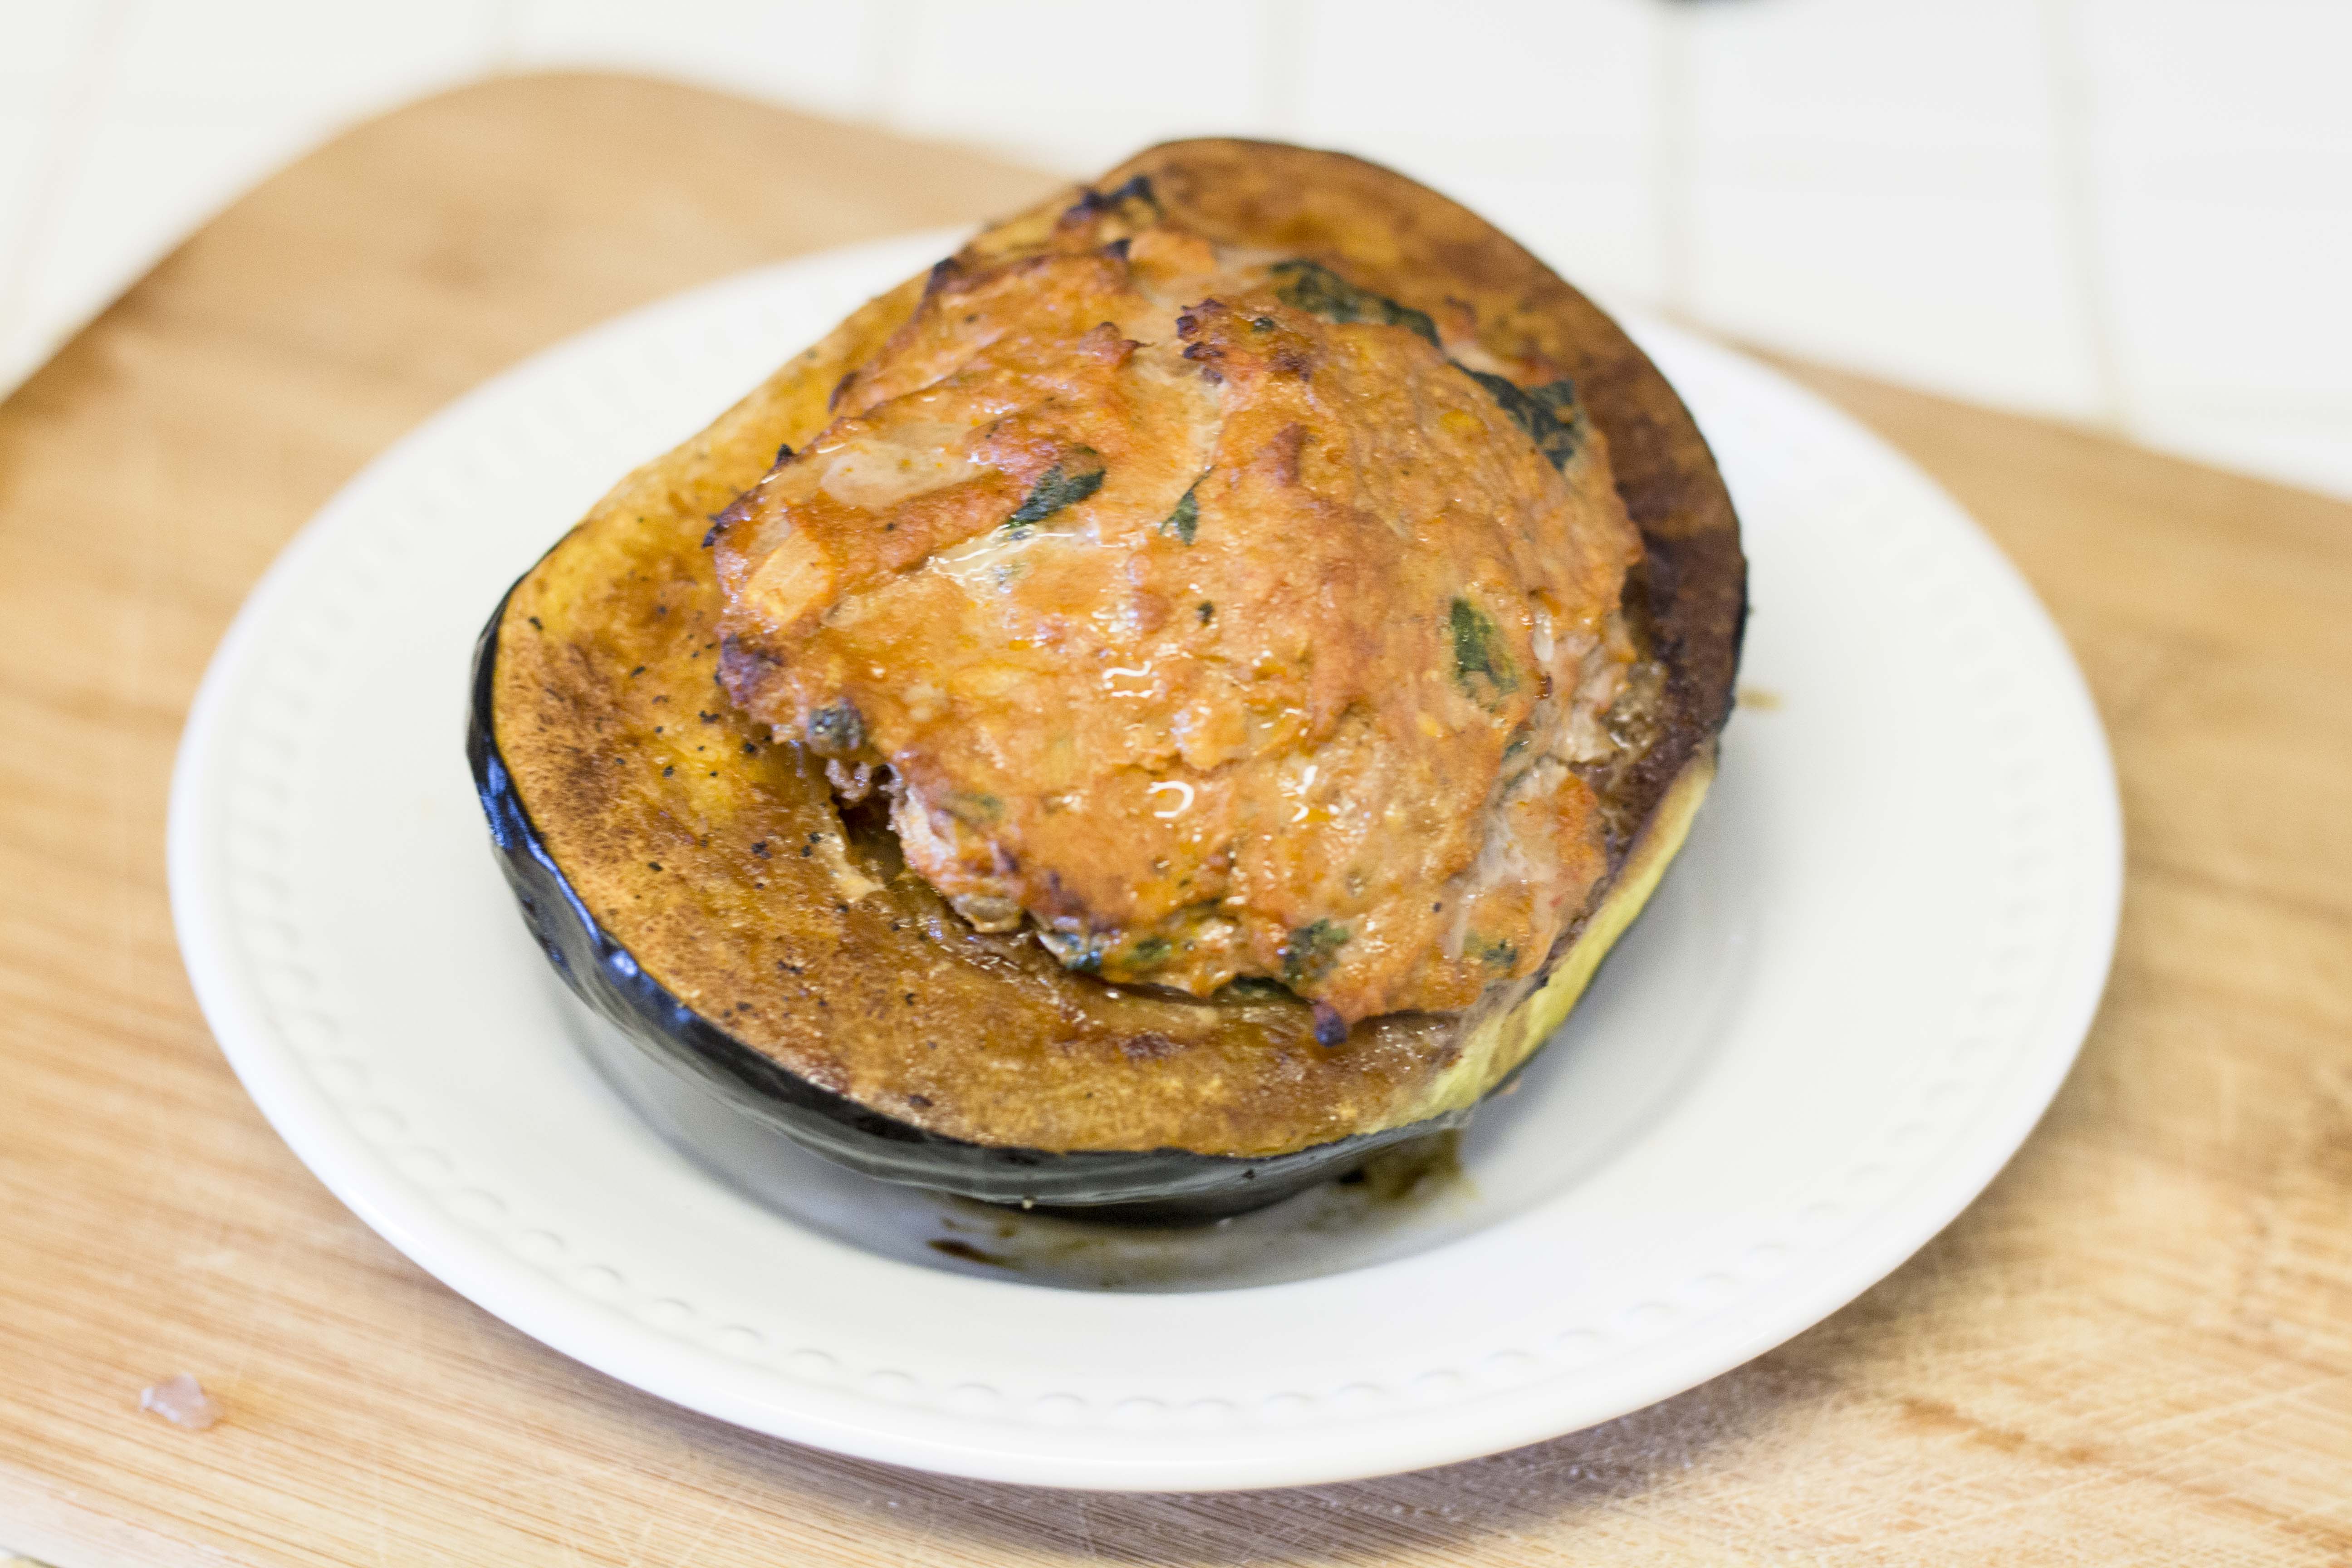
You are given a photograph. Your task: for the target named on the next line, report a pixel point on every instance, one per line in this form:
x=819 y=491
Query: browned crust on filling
x=718 y=856
x=1223 y=620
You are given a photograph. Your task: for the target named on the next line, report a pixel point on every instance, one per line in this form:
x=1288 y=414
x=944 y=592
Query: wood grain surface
x=2136 y=1347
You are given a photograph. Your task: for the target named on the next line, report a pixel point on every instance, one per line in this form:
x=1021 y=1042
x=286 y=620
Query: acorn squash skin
x=729 y=921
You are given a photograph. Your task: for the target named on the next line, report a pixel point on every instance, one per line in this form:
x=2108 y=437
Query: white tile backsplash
x=1560 y=75
x=1962 y=290
x=1076 y=85
x=2270 y=73
x=1889 y=73
x=2221 y=159
x=2132 y=212
x=1538 y=115
x=1882 y=185
x=343 y=60
x=2217 y=300
x=24 y=141
x=41 y=46
x=827 y=56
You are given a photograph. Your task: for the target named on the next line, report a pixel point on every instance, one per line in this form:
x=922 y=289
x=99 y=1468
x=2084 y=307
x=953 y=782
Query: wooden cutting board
x=2136 y=1347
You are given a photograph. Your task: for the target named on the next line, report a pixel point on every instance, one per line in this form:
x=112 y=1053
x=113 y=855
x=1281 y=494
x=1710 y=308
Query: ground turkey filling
x=1212 y=615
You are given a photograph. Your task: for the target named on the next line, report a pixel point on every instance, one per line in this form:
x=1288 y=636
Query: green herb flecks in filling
x=1311 y=287
x=1481 y=665
x=1307 y=955
x=1546 y=413
x=1185 y=521
x=1496 y=953
x=973 y=807
x=1066 y=484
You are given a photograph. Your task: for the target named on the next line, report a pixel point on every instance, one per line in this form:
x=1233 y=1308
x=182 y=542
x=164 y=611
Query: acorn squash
x=697 y=881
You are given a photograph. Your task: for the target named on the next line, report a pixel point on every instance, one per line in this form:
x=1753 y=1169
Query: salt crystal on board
x=181 y=1400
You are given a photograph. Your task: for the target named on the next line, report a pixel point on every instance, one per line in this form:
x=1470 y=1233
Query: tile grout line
x=73 y=124
x=1670 y=165
x=2081 y=230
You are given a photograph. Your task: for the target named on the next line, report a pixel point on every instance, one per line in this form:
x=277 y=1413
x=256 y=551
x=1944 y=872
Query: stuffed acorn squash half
x=1180 y=697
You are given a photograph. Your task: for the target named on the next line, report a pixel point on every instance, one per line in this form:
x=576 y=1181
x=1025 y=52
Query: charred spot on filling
x=1210 y=620
x=1136 y=194
x=836 y=729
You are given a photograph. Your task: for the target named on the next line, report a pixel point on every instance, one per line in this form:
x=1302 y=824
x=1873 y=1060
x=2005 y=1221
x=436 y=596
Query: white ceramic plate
x=1852 y=998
